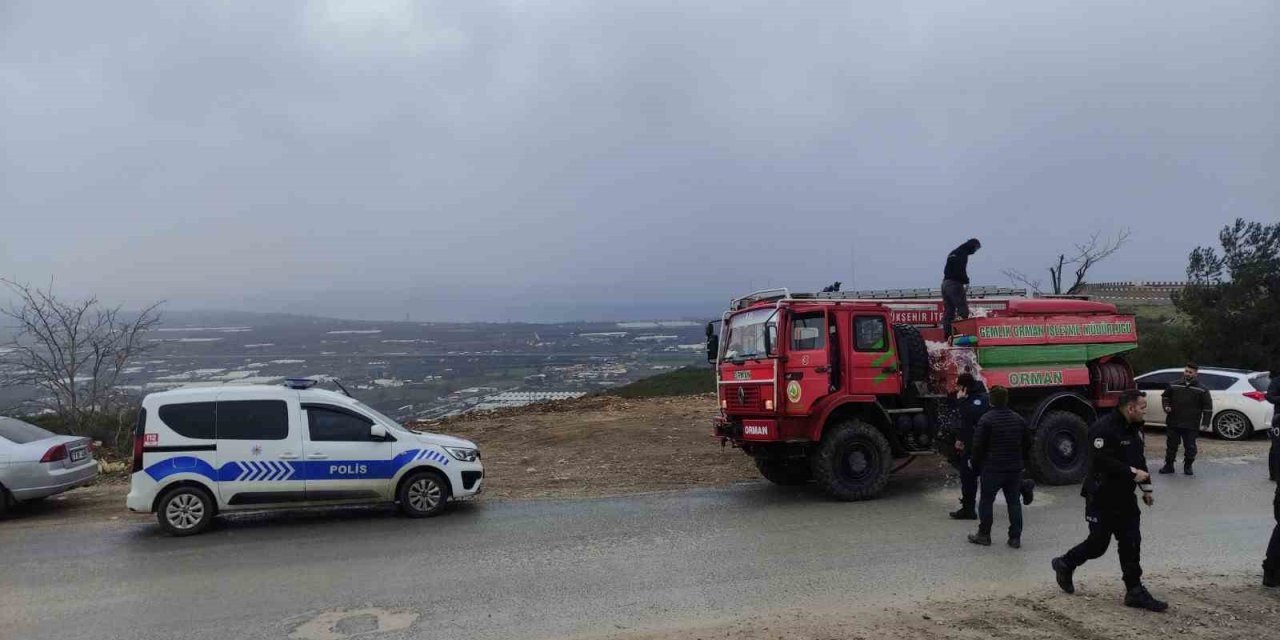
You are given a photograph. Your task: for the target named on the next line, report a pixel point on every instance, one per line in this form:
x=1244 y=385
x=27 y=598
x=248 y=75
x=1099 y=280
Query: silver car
x=35 y=463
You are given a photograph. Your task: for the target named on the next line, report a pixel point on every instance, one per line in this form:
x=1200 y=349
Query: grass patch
x=685 y=381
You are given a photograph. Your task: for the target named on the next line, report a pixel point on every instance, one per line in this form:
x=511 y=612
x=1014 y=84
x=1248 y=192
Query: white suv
x=1240 y=407
x=201 y=451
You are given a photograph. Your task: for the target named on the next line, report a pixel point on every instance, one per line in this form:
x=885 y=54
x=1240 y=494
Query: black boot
x=1016 y=543
x=1186 y=468
x=1271 y=573
x=1064 y=574
x=1139 y=598
x=965 y=512
x=1166 y=469
x=983 y=539
x=1028 y=490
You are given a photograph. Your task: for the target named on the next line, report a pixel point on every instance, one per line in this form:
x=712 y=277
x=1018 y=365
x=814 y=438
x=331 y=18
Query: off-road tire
x=853 y=462
x=423 y=494
x=186 y=510
x=913 y=355
x=1060 y=449
x=1232 y=432
x=785 y=473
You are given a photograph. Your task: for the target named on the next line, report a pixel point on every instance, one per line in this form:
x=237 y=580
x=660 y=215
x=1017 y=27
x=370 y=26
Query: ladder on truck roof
x=770 y=295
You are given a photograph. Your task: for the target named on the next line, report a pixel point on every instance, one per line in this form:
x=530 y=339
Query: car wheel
x=423 y=494
x=185 y=511
x=5 y=502
x=1232 y=425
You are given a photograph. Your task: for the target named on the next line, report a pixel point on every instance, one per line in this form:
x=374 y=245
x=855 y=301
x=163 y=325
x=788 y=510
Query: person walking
x=1117 y=465
x=955 y=279
x=971 y=404
x=1000 y=445
x=1271 y=566
x=1189 y=406
x=1273 y=396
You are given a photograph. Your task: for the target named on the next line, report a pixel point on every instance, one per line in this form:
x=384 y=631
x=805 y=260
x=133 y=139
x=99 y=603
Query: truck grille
x=746 y=397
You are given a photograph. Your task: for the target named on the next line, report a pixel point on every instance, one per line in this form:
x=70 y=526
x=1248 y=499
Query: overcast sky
x=567 y=159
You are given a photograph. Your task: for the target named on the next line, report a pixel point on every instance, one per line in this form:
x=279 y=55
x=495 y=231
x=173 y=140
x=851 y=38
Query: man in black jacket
x=1273 y=396
x=1000 y=444
x=1189 y=406
x=1271 y=566
x=1117 y=466
x=971 y=404
x=955 y=278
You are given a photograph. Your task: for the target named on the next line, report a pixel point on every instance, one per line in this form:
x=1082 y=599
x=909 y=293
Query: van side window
x=807 y=333
x=188 y=419
x=335 y=425
x=253 y=420
x=870 y=333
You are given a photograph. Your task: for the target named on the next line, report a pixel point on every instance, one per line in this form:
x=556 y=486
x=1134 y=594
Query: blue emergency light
x=300 y=383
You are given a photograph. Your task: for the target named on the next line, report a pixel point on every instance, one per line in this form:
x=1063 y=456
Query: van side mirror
x=377 y=432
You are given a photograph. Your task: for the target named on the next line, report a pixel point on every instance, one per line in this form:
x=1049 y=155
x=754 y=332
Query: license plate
x=741 y=375
x=79 y=454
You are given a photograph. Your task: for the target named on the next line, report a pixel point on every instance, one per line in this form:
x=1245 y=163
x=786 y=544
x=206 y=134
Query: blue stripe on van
x=281 y=471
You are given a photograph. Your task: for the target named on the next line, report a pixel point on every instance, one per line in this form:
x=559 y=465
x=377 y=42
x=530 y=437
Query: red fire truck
x=838 y=388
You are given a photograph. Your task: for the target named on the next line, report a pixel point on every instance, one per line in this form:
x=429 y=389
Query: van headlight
x=464 y=455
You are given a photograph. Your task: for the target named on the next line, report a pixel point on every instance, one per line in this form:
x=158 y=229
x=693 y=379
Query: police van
x=203 y=451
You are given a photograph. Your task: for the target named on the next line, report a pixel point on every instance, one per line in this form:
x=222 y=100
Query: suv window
x=870 y=333
x=253 y=420
x=1214 y=382
x=19 y=432
x=1158 y=381
x=190 y=419
x=331 y=424
x=807 y=332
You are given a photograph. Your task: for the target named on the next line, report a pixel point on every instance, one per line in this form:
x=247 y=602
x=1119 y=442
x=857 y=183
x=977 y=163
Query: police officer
x=1189 y=406
x=1117 y=466
x=1273 y=396
x=971 y=404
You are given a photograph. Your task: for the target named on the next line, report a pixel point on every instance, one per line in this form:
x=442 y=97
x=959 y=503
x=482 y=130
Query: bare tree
x=73 y=351
x=1087 y=255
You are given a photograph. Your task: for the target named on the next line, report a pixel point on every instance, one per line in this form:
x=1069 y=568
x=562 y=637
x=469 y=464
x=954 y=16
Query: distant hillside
x=685 y=381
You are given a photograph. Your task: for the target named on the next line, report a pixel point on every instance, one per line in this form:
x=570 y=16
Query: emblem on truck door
x=793 y=391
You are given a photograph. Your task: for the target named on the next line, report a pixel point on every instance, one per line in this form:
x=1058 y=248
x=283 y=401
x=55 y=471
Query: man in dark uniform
x=1117 y=465
x=1271 y=566
x=1189 y=406
x=955 y=277
x=1273 y=396
x=972 y=403
x=1000 y=446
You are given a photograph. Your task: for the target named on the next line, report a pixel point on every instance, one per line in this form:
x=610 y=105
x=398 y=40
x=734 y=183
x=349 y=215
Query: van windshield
x=746 y=334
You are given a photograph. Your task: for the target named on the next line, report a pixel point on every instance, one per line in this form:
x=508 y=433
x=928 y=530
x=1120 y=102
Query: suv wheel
x=185 y=511
x=1232 y=425
x=423 y=494
x=853 y=462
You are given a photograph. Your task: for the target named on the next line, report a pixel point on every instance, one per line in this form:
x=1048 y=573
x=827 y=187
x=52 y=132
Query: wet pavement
x=536 y=569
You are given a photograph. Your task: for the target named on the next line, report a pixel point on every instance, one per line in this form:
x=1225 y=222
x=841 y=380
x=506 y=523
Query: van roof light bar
x=300 y=383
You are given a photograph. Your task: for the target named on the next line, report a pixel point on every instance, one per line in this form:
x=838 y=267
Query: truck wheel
x=185 y=511
x=912 y=353
x=1059 y=451
x=785 y=473
x=853 y=461
x=1232 y=425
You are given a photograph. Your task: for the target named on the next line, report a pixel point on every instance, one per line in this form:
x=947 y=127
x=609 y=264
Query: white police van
x=201 y=451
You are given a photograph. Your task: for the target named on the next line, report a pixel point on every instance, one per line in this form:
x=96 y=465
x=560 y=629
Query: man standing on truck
x=1273 y=396
x=1117 y=466
x=955 y=280
x=971 y=404
x=1189 y=406
x=1000 y=445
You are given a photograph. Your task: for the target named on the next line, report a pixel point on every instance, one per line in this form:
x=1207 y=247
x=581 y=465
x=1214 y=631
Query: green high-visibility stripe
x=884 y=357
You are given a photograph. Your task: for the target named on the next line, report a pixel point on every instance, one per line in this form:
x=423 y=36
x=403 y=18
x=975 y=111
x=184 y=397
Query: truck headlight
x=464 y=455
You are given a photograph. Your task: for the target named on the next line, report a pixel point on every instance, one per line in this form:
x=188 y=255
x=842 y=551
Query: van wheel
x=185 y=511
x=853 y=461
x=423 y=494
x=1060 y=449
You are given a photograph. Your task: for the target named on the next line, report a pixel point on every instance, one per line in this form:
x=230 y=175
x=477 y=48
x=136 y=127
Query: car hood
x=441 y=440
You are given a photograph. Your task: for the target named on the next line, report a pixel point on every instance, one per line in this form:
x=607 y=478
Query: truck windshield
x=746 y=333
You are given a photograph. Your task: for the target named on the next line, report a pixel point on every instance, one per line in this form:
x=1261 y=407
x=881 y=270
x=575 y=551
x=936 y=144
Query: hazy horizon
x=561 y=161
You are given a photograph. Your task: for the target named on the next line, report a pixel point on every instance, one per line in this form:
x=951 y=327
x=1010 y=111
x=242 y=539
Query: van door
x=874 y=363
x=344 y=462
x=259 y=449
x=807 y=374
